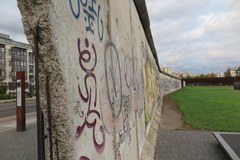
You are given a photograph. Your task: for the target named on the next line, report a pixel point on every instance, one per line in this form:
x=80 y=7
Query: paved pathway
x=19 y=145
x=188 y=145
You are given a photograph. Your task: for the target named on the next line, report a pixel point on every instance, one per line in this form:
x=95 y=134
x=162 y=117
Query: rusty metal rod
x=49 y=117
x=40 y=119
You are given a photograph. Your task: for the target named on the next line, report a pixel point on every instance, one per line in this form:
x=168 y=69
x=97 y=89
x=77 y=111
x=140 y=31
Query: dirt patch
x=171 y=118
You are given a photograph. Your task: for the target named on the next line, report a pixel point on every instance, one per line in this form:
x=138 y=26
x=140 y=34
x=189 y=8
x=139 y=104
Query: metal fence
x=236 y=85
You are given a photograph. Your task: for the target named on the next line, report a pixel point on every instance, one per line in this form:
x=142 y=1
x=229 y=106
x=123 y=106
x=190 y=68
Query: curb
x=14 y=100
x=8 y=123
x=149 y=147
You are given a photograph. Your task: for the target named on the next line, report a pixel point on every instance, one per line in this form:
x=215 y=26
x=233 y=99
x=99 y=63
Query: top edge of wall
x=169 y=75
x=143 y=14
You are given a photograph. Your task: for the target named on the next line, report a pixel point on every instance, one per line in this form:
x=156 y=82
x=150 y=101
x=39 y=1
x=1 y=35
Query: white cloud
x=172 y=9
x=10 y=21
x=193 y=36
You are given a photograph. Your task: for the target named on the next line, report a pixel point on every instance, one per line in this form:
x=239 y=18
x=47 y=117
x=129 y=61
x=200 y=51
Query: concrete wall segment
x=143 y=14
x=36 y=17
x=96 y=62
x=169 y=84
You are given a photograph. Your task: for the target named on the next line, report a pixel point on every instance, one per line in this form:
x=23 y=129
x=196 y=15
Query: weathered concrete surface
x=36 y=17
x=97 y=74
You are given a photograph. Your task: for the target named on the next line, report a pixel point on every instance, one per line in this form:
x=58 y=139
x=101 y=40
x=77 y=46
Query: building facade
x=233 y=72
x=15 y=56
x=172 y=72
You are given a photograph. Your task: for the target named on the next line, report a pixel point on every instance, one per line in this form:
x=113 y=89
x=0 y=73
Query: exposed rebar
x=49 y=112
x=40 y=119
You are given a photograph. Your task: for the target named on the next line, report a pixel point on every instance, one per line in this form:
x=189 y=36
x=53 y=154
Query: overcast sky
x=190 y=36
x=196 y=36
x=10 y=20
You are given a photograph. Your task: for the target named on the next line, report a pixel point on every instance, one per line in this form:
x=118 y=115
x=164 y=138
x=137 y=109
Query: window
x=2 y=62
x=31 y=70
x=19 y=60
x=31 y=79
x=30 y=57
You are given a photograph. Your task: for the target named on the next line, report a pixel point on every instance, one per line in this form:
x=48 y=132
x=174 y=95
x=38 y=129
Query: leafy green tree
x=227 y=73
x=211 y=75
x=201 y=76
x=238 y=71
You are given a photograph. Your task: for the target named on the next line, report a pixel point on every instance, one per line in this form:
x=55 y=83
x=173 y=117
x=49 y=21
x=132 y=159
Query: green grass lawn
x=210 y=108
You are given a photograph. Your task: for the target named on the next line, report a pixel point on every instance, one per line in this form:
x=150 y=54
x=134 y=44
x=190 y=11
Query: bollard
x=20 y=103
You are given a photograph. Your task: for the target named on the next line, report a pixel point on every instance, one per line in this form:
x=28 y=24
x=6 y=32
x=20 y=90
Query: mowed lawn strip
x=210 y=108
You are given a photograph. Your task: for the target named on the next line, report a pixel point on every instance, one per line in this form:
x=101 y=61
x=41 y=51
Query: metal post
x=49 y=117
x=40 y=118
x=20 y=112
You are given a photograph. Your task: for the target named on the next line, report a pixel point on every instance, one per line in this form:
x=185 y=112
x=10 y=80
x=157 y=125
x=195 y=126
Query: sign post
x=20 y=113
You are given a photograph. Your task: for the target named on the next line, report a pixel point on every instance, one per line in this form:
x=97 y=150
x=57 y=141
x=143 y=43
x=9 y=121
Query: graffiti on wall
x=87 y=54
x=86 y=108
x=133 y=77
x=113 y=79
x=152 y=89
x=109 y=86
x=176 y=84
x=136 y=86
x=166 y=85
x=121 y=93
x=109 y=104
x=169 y=84
x=92 y=15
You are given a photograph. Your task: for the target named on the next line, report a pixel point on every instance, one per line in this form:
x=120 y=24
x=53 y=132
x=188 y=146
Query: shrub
x=3 y=89
x=5 y=96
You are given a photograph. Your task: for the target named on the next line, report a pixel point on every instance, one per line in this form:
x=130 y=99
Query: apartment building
x=15 y=56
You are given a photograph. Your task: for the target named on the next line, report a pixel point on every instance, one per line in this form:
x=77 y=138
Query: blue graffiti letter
x=77 y=14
